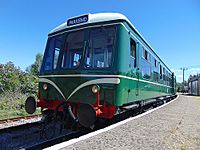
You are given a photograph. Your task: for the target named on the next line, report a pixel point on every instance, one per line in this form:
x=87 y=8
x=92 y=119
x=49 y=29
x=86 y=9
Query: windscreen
x=73 y=50
x=83 y=49
x=100 y=50
x=54 y=46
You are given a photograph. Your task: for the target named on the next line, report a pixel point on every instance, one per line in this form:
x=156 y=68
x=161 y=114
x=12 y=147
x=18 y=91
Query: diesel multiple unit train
x=98 y=66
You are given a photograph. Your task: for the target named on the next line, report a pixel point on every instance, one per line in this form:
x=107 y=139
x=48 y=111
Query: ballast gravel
x=19 y=122
x=173 y=127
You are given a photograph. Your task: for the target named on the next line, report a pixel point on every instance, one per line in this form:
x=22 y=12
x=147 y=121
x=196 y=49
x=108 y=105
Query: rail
x=7 y=120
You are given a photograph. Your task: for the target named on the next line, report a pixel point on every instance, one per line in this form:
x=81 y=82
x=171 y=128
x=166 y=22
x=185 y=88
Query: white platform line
x=72 y=141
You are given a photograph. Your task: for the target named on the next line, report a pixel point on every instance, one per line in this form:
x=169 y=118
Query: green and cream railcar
x=95 y=64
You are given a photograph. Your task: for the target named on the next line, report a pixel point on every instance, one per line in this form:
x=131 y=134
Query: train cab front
x=78 y=74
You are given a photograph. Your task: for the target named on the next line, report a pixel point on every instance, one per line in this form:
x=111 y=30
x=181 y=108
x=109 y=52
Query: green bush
x=15 y=86
x=12 y=104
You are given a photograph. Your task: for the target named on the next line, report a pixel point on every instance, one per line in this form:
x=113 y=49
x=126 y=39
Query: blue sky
x=171 y=27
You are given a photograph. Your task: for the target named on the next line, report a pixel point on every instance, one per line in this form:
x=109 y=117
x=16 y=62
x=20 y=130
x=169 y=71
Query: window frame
x=146 y=56
x=161 y=72
x=155 y=63
x=68 y=51
x=132 y=42
x=48 y=45
x=155 y=70
x=114 y=27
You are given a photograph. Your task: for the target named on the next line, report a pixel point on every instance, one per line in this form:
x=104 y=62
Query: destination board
x=77 y=20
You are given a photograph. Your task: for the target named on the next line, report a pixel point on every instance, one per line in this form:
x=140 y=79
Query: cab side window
x=132 y=54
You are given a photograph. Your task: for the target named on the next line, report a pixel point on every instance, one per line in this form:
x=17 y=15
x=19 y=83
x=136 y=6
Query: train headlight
x=95 y=88
x=45 y=87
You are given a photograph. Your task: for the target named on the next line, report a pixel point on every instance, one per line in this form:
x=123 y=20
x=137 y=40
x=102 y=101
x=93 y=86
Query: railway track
x=59 y=139
x=26 y=135
x=40 y=134
x=8 y=120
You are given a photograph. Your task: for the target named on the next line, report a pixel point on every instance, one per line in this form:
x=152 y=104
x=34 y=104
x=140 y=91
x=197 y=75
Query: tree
x=12 y=79
x=15 y=86
x=9 y=77
x=35 y=67
x=179 y=86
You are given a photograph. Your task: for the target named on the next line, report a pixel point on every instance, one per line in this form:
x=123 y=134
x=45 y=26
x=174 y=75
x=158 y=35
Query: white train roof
x=94 y=18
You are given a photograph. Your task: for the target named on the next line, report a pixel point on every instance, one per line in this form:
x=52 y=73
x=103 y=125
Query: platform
x=173 y=126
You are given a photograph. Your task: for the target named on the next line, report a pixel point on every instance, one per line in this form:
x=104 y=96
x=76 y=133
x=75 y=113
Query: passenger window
x=155 y=63
x=132 y=54
x=164 y=77
x=170 y=79
x=160 y=72
x=167 y=78
x=146 y=65
x=155 y=71
x=145 y=54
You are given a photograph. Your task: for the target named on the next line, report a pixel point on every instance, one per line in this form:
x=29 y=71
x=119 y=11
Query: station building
x=194 y=85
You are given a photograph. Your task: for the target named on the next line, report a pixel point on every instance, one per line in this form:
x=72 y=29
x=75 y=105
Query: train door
x=134 y=74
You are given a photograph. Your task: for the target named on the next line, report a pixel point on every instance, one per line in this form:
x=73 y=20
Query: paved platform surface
x=175 y=126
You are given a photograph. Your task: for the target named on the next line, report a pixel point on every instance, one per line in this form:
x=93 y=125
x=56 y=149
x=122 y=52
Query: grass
x=12 y=105
x=4 y=114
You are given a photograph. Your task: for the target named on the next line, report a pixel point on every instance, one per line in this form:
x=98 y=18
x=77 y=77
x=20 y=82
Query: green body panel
x=85 y=95
x=135 y=88
x=132 y=86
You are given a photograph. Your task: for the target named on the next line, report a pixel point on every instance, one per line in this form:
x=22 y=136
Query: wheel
x=30 y=105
